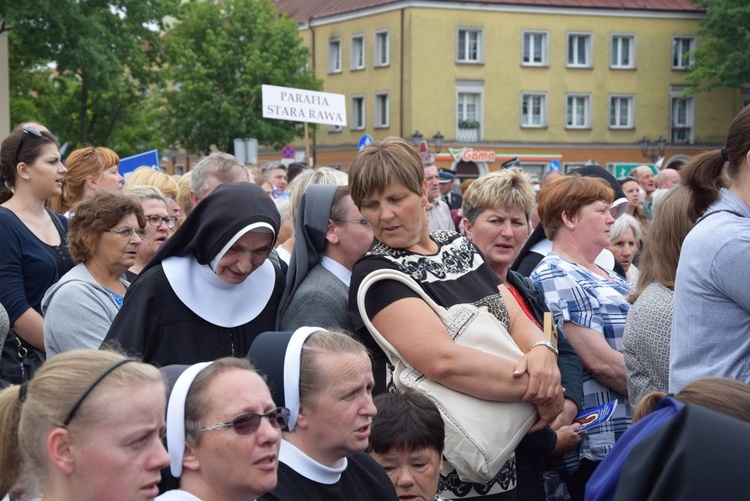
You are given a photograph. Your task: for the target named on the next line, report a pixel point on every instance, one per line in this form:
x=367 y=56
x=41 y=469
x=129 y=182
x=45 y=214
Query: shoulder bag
x=480 y=435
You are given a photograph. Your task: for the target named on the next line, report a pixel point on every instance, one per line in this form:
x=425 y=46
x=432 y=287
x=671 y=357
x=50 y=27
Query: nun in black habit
x=210 y=289
x=325 y=380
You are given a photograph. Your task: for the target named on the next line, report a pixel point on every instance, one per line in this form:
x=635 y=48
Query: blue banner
x=145 y=159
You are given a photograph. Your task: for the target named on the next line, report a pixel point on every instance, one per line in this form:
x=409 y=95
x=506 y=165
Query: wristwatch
x=547 y=344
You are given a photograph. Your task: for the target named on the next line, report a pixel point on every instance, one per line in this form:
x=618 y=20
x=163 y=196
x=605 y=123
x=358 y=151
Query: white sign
x=299 y=105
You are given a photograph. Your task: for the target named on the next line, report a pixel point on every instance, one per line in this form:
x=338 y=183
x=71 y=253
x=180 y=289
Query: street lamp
x=416 y=138
x=438 y=141
x=173 y=153
x=654 y=151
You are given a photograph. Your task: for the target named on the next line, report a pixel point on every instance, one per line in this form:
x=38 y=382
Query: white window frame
x=685 y=61
x=479 y=59
x=382 y=56
x=470 y=87
x=586 y=112
x=381 y=120
x=527 y=124
x=573 y=39
x=358 y=123
x=630 y=113
x=544 y=43
x=615 y=51
x=675 y=94
x=357 y=57
x=334 y=56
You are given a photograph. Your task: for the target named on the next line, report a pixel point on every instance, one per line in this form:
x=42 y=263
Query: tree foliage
x=84 y=67
x=219 y=55
x=722 y=58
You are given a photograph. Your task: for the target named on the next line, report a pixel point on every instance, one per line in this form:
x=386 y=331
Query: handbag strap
x=387 y=274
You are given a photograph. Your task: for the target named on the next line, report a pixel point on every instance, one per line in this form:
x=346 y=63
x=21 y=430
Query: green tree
x=83 y=67
x=218 y=56
x=722 y=59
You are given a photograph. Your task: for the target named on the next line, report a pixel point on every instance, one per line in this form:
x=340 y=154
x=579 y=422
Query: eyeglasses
x=28 y=130
x=246 y=424
x=359 y=220
x=155 y=220
x=128 y=232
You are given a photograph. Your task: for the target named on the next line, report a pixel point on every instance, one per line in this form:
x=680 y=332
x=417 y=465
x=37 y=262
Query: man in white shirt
x=439 y=214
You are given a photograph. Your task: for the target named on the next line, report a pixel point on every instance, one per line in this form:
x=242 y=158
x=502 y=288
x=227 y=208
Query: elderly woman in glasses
x=104 y=238
x=223 y=432
x=87 y=427
x=325 y=379
x=159 y=227
x=33 y=249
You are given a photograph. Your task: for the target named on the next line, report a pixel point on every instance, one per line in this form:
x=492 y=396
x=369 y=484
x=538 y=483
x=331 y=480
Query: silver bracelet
x=547 y=344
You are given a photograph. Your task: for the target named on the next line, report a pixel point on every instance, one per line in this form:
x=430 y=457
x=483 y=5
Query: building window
x=622 y=52
x=382 y=115
x=382 y=48
x=621 y=111
x=533 y=109
x=535 y=48
x=469 y=46
x=334 y=56
x=578 y=111
x=358 y=112
x=358 y=53
x=682 y=116
x=579 y=50
x=468 y=118
x=681 y=48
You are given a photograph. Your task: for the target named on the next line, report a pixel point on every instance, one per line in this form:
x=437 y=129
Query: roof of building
x=305 y=10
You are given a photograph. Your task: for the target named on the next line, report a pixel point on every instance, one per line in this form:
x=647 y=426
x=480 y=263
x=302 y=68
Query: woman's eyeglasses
x=359 y=220
x=249 y=423
x=155 y=220
x=128 y=232
x=28 y=130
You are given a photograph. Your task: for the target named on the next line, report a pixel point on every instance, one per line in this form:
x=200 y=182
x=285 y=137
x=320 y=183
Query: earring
x=571 y=226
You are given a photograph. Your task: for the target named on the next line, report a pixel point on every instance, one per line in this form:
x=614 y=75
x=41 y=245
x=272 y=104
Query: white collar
x=214 y=300
x=306 y=466
x=338 y=269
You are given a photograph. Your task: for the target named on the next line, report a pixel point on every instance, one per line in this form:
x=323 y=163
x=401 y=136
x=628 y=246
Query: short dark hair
x=94 y=215
x=406 y=421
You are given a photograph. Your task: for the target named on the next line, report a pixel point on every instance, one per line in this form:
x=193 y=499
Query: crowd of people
x=220 y=336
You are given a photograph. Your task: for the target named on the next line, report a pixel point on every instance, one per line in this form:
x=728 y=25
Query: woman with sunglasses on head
x=223 y=432
x=325 y=380
x=33 y=250
x=104 y=238
x=89 y=169
x=87 y=427
x=159 y=227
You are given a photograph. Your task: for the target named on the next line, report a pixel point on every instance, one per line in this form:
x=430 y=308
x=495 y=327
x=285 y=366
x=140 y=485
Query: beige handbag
x=480 y=435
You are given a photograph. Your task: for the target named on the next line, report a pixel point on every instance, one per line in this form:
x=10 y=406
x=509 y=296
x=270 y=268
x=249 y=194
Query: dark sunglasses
x=28 y=130
x=246 y=424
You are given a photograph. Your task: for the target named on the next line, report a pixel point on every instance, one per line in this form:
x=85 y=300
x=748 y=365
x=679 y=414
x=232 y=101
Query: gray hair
x=622 y=223
x=217 y=164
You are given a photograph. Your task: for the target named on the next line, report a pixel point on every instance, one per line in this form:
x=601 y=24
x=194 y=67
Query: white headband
x=292 y=365
x=176 y=416
x=246 y=229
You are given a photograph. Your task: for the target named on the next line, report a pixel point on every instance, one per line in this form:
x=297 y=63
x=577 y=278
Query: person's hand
x=544 y=376
x=567 y=439
x=547 y=412
x=566 y=417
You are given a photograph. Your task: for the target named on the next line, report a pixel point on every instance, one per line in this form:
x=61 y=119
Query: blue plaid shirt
x=575 y=294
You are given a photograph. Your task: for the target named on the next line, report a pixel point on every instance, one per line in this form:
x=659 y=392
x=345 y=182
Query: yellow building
x=571 y=80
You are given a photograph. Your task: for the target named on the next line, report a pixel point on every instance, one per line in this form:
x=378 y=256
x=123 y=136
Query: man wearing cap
x=454 y=200
x=439 y=215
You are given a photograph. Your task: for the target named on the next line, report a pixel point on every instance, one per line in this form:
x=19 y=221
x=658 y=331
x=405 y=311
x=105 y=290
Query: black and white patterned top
x=456 y=274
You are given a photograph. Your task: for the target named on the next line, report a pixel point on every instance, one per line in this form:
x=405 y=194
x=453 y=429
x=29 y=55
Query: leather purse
x=480 y=435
